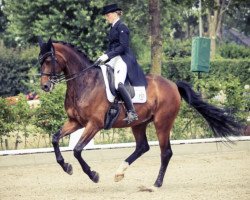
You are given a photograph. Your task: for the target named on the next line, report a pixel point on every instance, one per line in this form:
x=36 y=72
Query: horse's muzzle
x=47 y=87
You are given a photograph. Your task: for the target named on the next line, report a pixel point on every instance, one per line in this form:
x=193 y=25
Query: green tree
x=238 y=16
x=14 y=69
x=77 y=22
x=3 y=19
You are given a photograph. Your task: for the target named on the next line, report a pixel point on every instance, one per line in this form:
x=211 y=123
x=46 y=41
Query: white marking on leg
x=119 y=175
x=143 y=188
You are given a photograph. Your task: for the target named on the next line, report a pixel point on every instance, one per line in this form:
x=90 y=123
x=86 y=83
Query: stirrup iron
x=131 y=116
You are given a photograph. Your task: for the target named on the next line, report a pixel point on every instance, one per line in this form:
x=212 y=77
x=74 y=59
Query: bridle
x=53 y=76
x=57 y=78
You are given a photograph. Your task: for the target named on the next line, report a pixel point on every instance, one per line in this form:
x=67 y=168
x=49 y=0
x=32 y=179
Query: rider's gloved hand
x=103 y=58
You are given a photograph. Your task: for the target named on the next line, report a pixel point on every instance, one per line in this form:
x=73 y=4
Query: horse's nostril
x=45 y=88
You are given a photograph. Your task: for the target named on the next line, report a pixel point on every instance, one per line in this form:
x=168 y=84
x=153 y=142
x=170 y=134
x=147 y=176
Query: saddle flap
x=111 y=81
x=139 y=91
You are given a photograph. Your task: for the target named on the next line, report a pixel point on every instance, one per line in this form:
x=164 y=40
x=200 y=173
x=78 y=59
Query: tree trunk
x=156 y=39
x=1 y=141
x=215 y=22
x=212 y=35
x=6 y=144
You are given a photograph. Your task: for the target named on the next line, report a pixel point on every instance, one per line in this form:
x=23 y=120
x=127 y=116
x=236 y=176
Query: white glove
x=103 y=58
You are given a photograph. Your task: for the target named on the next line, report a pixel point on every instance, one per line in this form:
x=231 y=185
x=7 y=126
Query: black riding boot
x=131 y=114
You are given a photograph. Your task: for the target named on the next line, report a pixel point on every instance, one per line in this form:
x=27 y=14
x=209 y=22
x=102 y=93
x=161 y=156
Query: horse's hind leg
x=166 y=154
x=142 y=146
x=68 y=128
x=163 y=133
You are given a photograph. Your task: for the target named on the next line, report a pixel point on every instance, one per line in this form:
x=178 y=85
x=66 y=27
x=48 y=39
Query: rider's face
x=111 y=17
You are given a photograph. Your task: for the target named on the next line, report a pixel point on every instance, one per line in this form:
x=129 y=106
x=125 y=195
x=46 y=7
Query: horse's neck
x=82 y=86
x=75 y=64
x=86 y=79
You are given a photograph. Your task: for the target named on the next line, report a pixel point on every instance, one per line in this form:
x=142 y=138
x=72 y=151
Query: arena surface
x=196 y=171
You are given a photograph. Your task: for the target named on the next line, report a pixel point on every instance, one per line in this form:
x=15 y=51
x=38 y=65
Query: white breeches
x=120 y=70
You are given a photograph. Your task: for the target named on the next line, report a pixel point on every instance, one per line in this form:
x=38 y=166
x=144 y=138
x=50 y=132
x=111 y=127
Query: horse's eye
x=47 y=61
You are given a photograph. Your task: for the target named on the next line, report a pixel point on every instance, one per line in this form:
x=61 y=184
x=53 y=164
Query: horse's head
x=50 y=65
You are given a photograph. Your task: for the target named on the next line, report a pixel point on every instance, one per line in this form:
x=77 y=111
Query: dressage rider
x=121 y=58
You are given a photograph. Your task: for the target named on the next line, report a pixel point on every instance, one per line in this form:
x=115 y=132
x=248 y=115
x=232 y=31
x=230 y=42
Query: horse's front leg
x=68 y=128
x=89 y=132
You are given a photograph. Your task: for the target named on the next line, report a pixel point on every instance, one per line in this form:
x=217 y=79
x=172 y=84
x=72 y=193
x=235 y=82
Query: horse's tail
x=221 y=122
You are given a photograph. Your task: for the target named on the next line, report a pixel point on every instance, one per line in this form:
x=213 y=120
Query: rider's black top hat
x=110 y=8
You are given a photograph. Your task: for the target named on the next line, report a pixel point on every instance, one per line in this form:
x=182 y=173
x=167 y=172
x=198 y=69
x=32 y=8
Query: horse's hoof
x=69 y=168
x=153 y=188
x=119 y=177
x=158 y=184
x=95 y=178
x=147 y=189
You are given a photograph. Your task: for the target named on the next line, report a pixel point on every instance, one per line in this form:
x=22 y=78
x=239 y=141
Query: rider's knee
x=117 y=86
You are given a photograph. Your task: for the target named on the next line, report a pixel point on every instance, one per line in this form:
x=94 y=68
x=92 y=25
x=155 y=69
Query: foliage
x=221 y=68
x=7 y=118
x=51 y=115
x=238 y=16
x=14 y=69
x=233 y=50
x=177 y=49
x=178 y=69
x=14 y=119
x=71 y=21
x=23 y=117
x=190 y=125
x=3 y=20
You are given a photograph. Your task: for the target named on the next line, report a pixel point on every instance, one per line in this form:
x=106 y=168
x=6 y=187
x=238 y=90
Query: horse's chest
x=76 y=108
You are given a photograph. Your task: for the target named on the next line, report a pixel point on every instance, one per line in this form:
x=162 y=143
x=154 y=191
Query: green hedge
x=179 y=69
x=24 y=127
x=232 y=50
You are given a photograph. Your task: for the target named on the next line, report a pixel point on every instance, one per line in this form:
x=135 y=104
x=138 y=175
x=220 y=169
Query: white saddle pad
x=140 y=91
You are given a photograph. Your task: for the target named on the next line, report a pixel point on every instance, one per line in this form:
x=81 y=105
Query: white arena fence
x=74 y=137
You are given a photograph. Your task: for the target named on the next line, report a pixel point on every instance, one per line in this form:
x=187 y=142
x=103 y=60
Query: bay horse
x=86 y=105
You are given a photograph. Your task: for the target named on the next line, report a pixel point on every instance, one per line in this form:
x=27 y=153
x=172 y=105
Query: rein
x=75 y=75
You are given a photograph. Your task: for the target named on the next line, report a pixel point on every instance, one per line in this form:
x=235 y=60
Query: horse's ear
x=49 y=43
x=40 y=41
